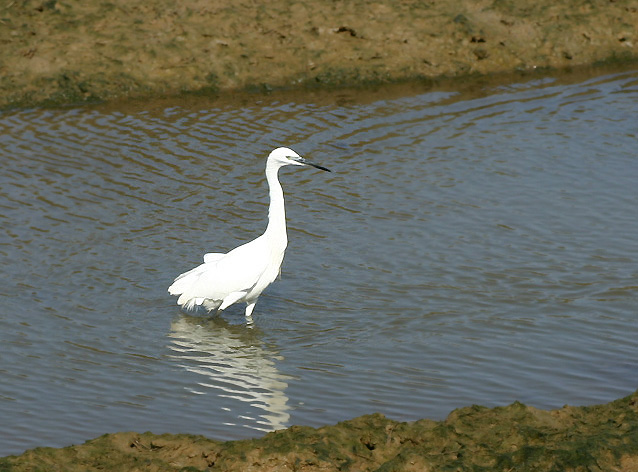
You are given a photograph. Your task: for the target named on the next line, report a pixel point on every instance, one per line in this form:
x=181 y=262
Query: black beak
x=308 y=163
x=317 y=166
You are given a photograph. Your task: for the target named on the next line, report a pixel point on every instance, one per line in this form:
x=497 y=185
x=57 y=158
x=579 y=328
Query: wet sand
x=516 y=437
x=59 y=52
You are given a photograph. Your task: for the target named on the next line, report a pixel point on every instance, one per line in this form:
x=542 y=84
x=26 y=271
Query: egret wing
x=213 y=256
x=222 y=274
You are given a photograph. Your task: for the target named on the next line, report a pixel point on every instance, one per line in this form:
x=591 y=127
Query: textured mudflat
x=67 y=51
x=516 y=437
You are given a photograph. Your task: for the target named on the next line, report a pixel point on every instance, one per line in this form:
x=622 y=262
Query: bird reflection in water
x=233 y=362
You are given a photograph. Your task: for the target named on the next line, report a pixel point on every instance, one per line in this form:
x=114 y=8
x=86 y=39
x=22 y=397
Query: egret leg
x=249 y=309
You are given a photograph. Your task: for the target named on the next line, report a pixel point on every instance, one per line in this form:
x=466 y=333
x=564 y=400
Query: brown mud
x=73 y=51
x=511 y=438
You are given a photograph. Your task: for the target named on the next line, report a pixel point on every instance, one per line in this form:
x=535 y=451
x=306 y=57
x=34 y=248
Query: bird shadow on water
x=231 y=361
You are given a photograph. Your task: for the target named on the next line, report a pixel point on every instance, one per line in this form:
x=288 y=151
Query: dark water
x=470 y=247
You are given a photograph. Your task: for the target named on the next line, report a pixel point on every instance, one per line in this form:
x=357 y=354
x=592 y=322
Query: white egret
x=243 y=273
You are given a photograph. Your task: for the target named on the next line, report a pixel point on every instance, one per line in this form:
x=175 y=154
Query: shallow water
x=471 y=246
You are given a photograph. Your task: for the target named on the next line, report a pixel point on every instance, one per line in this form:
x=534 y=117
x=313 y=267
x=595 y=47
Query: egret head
x=283 y=156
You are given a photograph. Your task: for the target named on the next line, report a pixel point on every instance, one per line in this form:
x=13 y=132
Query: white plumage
x=243 y=273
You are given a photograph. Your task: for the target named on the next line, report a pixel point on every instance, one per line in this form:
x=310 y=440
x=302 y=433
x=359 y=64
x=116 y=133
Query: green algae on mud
x=516 y=437
x=69 y=51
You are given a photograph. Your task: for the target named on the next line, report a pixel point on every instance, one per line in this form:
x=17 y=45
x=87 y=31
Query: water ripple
x=469 y=247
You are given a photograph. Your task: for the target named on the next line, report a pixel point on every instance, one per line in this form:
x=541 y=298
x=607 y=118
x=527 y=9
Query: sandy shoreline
x=515 y=437
x=59 y=52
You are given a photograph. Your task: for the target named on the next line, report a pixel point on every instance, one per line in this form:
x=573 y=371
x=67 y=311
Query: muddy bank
x=516 y=437
x=67 y=51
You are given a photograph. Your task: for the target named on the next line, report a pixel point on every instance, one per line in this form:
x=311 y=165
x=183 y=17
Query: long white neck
x=276 y=229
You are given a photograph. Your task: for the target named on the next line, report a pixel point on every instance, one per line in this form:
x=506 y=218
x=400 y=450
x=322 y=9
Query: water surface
x=471 y=246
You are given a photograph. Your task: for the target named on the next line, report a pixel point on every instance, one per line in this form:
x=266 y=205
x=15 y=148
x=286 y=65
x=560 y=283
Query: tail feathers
x=185 y=280
x=188 y=287
x=183 y=286
x=192 y=304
